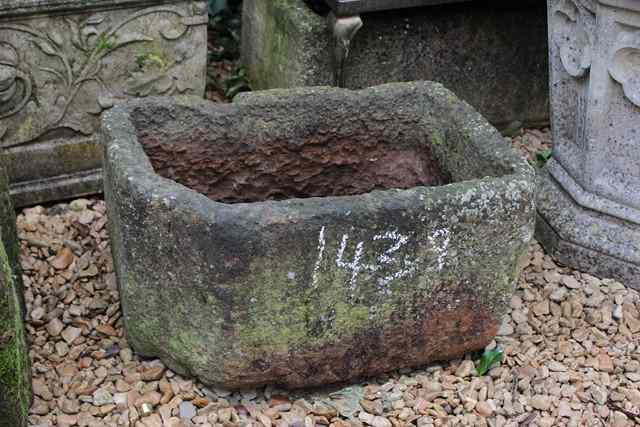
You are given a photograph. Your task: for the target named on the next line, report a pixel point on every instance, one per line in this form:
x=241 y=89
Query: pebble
x=70 y=334
x=484 y=409
x=569 y=341
x=570 y=282
x=102 y=397
x=187 y=410
x=541 y=402
x=617 y=314
x=55 y=327
x=465 y=369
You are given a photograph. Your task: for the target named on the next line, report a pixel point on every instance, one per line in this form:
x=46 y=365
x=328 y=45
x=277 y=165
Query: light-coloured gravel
x=571 y=343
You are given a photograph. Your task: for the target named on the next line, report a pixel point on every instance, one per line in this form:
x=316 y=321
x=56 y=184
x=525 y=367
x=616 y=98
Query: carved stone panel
x=571 y=30
x=590 y=202
x=59 y=71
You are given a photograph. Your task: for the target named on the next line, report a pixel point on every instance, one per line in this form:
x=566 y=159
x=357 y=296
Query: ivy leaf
x=488 y=359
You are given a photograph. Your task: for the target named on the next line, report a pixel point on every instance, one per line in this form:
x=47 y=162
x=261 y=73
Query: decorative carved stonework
x=625 y=65
x=589 y=203
x=572 y=33
x=59 y=71
x=63 y=72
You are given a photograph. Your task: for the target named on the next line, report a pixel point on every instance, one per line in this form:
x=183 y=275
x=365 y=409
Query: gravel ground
x=570 y=342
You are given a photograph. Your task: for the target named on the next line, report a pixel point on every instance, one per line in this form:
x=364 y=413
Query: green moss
x=276 y=316
x=437 y=138
x=153 y=58
x=283 y=316
x=14 y=365
x=289 y=23
x=190 y=347
x=26 y=128
x=104 y=44
x=76 y=155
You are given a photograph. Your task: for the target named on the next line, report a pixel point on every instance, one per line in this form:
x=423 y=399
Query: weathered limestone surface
x=63 y=62
x=15 y=375
x=329 y=247
x=590 y=199
x=491 y=54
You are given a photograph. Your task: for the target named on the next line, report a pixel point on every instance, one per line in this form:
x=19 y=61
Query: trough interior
x=253 y=168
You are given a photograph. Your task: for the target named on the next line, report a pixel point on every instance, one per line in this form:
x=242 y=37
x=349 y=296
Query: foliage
x=224 y=23
x=224 y=76
x=231 y=85
x=236 y=83
x=543 y=156
x=488 y=359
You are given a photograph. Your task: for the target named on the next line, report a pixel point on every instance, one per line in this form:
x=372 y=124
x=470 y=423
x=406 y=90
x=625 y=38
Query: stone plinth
x=589 y=203
x=491 y=54
x=312 y=236
x=63 y=62
x=15 y=374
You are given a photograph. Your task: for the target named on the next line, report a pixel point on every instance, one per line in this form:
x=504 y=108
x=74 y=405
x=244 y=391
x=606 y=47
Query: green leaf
x=543 y=157
x=488 y=359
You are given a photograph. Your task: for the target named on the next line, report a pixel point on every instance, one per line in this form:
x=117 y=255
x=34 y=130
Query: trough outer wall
x=204 y=284
x=15 y=372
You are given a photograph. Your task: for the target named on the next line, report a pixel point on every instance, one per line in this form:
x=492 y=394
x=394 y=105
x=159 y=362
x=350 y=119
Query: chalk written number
x=390 y=260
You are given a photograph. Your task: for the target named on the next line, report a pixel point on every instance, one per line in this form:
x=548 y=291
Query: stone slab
x=491 y=54
x=15 y=373
x=62 y=63
x=311 y=236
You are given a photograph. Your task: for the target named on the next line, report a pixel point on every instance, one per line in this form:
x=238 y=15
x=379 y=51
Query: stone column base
x=584 y=239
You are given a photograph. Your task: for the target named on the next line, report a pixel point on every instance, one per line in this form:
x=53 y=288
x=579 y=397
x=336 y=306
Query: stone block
x=310 y=236
x=590 y=202
x=15 y=373
x=491 y=54
x=63 y=62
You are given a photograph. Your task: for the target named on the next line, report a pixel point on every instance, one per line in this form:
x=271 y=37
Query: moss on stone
x=14 y=366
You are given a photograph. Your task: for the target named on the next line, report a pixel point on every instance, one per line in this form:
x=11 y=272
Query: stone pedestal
x=589 y=200
x=491 y=54
x=63 y=62
x=15 y=374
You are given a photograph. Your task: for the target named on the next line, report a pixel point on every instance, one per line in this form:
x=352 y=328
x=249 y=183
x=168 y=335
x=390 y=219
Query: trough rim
x=124 y=153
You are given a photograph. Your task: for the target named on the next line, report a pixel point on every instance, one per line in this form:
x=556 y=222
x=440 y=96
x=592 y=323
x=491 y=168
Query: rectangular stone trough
x=312 y=236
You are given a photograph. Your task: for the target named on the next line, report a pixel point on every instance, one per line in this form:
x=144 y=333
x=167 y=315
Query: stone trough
x=312 y=236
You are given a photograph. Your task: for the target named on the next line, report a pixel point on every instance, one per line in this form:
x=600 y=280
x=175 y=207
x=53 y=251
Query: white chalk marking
x=316 y=270
x=441 y=248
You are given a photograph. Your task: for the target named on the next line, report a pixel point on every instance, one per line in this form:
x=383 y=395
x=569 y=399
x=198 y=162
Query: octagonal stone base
x=584 y=239
x=313 y=236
